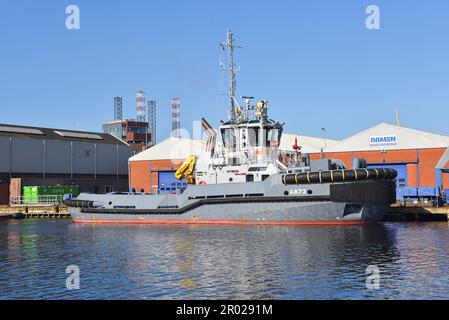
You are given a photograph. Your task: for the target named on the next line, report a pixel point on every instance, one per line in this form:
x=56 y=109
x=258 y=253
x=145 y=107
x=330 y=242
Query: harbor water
x=223 y=262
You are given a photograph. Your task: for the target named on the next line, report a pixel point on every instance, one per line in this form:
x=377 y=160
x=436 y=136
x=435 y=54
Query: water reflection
x=195 y=262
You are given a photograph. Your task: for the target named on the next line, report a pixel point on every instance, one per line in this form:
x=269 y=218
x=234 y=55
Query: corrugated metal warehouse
x=96 y=162
x=413 y=153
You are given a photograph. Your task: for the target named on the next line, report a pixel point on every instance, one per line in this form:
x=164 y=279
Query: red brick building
x=151 y=170
x=413 y=153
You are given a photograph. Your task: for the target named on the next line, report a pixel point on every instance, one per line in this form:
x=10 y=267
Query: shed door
x=401 y=180
x=167 y=183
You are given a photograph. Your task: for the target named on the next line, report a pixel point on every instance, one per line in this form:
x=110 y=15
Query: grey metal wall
x=27 y=155
x=4 y=154
x=83 y=158
x=124 y=153
x=61 y=162
x=20 y=155
x=106 y=153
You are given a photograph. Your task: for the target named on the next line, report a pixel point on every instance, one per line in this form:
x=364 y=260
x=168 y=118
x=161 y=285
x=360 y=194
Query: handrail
x=40 y=200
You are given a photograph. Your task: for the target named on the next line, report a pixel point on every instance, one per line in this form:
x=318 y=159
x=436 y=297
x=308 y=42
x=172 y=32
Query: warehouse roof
x=172 y=148
x=7 y=130
x=387 y=137
x=181 y=148
x=308 y=144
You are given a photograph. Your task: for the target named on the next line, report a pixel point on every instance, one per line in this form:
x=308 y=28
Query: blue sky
x=314 y=61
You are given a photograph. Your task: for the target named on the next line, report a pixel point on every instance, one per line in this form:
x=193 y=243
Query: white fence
x=36 y=201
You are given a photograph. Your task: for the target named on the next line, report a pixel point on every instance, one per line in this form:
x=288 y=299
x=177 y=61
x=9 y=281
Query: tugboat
x=240 y=179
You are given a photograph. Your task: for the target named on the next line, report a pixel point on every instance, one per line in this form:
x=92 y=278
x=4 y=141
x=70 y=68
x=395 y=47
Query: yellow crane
x=186 y=170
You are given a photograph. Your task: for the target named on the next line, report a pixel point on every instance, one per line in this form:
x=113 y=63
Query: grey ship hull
x=305 y=213
x=268 y=202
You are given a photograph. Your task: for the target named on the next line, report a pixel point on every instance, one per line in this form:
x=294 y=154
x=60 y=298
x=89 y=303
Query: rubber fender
x=340 y=176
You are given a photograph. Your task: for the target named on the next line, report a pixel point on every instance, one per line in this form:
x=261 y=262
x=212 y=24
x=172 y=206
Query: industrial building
x=152 y=170
x=96 y=162
x=421 y=158
x=311 y=145
x=138 y=133
x=413 y=153
x=135 y=133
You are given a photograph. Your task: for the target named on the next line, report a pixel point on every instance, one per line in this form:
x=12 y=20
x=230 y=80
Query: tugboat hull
x=274 y=213
x=268 y=202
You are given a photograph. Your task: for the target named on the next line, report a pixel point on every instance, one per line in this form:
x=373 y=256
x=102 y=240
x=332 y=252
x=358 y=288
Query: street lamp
x=324 y=134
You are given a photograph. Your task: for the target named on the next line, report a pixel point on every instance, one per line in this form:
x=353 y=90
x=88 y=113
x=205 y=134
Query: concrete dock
x=5 y=216
x=7 y=212
x=416 y=213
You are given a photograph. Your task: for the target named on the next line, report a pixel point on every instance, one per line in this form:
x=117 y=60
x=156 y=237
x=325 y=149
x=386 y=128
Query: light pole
x=324 y=135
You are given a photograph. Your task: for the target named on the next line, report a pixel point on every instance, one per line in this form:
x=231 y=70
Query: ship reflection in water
x=216 y=262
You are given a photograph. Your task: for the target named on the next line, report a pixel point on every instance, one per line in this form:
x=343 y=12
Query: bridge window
x=228 y=137
x=253 y=136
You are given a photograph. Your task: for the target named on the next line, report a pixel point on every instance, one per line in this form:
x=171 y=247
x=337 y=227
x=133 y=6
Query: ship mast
x=229 y=45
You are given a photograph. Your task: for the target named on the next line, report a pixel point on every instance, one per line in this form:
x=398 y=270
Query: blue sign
x=383 y=141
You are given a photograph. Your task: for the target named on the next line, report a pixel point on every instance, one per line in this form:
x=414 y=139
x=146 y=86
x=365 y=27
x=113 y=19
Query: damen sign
x=381 y=141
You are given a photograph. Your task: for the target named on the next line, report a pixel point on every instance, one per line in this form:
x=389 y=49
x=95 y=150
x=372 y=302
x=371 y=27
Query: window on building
x=137 y=129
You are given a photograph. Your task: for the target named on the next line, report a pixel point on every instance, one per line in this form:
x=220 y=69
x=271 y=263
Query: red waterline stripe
x=225 y=222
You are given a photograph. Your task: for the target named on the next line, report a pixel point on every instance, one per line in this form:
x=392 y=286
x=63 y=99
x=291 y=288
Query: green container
x=26 y=195
x=44 y=191
x=31 y=193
